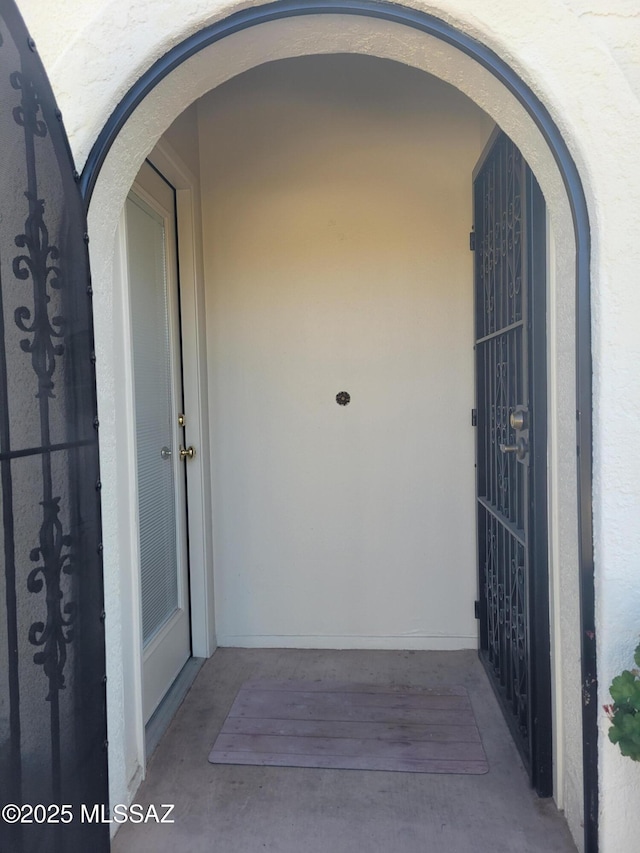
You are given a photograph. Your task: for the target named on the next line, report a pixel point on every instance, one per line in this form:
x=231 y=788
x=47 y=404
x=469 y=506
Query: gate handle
x=520 y=448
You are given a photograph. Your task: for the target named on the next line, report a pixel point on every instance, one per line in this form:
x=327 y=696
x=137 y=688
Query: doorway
x=271 y=170
x=520 y=127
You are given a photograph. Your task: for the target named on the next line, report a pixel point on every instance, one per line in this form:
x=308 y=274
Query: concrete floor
x=227 y=809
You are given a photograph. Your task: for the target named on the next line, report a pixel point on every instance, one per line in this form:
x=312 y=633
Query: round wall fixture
x=343 y=398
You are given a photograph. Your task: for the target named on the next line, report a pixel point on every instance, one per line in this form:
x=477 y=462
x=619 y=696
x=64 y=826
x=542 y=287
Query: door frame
x=191 y=300
x=194 y=381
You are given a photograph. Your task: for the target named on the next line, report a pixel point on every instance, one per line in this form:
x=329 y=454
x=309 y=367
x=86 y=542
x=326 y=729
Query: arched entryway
x=239 y=44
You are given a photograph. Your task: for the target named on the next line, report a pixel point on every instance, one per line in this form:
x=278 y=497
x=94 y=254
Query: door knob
x=520 y=448
x=165 y=453
x=187 y=452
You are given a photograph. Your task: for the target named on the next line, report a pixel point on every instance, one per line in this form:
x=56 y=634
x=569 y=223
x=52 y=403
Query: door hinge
x=472 y=241
x=474 y=417
x=476 y=609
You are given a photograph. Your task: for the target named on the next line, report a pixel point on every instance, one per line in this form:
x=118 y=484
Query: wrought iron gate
x=52 y=667
x=510 y=284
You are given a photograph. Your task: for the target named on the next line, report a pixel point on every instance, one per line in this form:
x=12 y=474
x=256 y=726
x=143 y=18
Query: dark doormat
x=351 y=727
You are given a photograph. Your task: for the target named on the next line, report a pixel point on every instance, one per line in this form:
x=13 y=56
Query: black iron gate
x=52 y=668
x=511 y=456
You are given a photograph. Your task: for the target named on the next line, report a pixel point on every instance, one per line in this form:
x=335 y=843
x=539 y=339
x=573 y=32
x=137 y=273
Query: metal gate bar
x=511 y=448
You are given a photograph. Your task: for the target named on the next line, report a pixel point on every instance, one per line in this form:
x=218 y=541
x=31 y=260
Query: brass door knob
x=187 y=452
x=520 y=448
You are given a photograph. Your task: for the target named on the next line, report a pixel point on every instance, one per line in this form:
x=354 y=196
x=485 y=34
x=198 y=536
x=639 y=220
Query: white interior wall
x=336 y=209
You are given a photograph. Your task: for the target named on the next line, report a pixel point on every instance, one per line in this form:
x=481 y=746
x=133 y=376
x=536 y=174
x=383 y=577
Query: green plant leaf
x=625 y=719
x=623 y=688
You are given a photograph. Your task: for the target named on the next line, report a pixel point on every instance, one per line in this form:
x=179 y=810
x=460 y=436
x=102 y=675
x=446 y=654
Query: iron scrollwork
x=57 y=632
x=38 y=264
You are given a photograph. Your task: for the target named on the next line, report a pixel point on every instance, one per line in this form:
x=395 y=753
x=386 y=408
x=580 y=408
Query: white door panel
x=152 y=266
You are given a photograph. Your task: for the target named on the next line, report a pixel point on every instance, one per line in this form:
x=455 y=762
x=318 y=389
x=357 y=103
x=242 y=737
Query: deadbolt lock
x=518 y=420
x=187 y=452
x=519 y=423
x=181 y=420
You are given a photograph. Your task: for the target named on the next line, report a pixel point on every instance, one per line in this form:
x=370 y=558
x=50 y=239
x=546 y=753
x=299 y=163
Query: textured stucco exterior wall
x=582 y=59
x=618 y=26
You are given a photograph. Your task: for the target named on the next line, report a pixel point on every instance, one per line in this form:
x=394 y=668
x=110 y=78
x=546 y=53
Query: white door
x=153 y=282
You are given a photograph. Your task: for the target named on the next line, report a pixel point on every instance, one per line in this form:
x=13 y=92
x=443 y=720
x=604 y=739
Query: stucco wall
x=337 y=207
x=582 y=60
